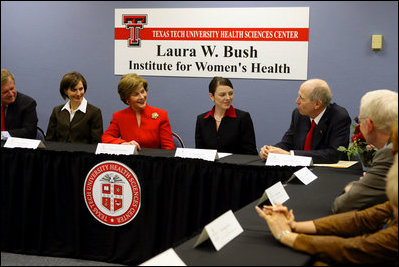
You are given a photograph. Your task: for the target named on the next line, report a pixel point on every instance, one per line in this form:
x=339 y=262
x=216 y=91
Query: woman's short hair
x=5 y=75
x=380 y=106
x=392 y=182
x=70 y=80
x=216 y=81
x=130 y=83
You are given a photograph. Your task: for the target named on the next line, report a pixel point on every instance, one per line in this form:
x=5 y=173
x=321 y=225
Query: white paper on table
x=277 y=193
x=222 y=154
x=13 y=142
x=166 y=258
x=274 y=159
x=221 y=231
x=196 y=153
x=305 y=175
x=116 y=149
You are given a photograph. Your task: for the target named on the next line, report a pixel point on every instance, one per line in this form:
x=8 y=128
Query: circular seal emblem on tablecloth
x=112 y=193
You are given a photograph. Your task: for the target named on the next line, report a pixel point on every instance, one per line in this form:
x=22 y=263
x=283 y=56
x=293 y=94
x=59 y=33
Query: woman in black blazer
x=225 y=128
x=77 y=121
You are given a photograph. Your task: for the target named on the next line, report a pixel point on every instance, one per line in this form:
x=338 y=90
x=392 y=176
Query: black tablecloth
x=44 y=213
x=256 y=245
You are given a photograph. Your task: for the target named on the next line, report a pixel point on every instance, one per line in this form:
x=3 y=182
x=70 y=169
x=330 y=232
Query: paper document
x=339 y=164
x=196 y=153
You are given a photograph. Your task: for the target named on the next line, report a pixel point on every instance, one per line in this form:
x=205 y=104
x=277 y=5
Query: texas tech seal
x=112 y=193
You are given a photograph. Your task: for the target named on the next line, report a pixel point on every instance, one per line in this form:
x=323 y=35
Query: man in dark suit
x=18 y=111
x=331 y=126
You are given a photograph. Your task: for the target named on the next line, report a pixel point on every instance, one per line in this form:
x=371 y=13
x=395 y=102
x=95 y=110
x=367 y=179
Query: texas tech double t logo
x=134 y=23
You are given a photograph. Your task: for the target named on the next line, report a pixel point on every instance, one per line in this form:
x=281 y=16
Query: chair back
x=40 y=134
x=177 y=140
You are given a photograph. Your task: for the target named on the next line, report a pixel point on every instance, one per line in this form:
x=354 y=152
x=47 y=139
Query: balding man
x=317 y=128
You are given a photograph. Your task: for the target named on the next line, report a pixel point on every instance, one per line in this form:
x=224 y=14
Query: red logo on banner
x=112 y=193
x=134 y=23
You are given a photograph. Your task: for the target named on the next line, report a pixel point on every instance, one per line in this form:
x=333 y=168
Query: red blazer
x=154 y=131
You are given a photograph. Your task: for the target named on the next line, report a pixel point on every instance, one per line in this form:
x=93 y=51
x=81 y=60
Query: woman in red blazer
x=139 y=124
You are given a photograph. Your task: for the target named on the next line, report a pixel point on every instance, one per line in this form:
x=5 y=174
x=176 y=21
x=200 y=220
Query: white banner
x=252 y=43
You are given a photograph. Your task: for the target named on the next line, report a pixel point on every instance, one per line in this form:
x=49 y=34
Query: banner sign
x=252 y=43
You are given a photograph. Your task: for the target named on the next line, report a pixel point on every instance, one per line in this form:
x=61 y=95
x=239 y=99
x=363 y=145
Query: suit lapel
x=320 y=129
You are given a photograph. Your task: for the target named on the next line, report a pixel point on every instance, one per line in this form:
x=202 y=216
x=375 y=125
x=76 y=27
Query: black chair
x=177 y=140
x=40 y=135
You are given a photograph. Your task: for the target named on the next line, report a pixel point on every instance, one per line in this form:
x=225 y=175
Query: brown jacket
x=354 y=237
x=84 y=128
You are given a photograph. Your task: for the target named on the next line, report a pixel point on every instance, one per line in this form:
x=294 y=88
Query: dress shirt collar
x=231 y=112
x=318 y=118
x=82 y=107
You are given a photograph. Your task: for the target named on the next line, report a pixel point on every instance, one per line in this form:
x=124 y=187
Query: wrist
x=293 y=226
x=282 y=233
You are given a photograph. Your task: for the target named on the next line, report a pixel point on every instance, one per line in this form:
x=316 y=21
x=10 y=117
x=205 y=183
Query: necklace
x=218 y=119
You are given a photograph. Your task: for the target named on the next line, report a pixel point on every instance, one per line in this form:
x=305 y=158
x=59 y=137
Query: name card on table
x=275 y=193
x=114 y=149
x=166 y=258
x=221 y=231
x=195 y=153
x=274 y=159
x=13 y=142
x=5 y=135
x=305 y=175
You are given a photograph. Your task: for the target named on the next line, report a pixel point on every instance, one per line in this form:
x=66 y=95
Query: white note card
x=13 y=142
x=116 y=149
x=221 y=231
x=166 y=258
x=305 y=175
x=277 y=193
x=196 y=153
x=263 y=198
x=222 y=154
x=274 y=159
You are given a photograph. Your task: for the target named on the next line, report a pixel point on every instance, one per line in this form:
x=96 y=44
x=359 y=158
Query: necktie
x=309 y=137
x=3 y=128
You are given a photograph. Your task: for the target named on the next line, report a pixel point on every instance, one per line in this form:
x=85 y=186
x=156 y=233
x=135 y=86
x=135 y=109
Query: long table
x=256 y=245
x=43 y=211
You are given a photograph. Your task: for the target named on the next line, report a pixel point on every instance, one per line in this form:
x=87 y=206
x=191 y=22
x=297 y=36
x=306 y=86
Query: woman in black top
x=225 y=128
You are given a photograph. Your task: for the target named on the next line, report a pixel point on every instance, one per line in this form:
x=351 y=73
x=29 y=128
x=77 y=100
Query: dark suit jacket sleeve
x=21 y=117
x=199 y=143
x=336 y=133
x=51 y=127
x=332 y=131
x=287 y=142
x=248 y=141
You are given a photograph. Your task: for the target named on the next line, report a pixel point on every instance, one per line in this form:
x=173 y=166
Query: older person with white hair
x=369 y=236
x=318 y=127
x=378 y=113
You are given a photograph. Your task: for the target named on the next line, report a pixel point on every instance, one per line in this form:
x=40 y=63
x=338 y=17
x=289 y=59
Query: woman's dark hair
x=218 y=81
x=70 y=80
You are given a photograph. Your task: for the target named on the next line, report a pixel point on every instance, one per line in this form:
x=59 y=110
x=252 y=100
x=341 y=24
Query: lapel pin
x=154 y=115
